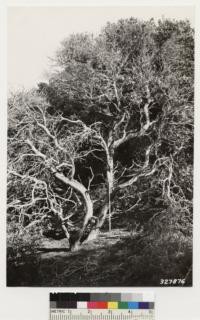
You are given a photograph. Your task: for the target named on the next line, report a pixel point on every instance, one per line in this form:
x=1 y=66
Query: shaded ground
x=84 y=267
x=113 y=259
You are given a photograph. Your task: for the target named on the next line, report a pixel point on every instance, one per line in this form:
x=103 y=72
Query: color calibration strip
x=100 y=306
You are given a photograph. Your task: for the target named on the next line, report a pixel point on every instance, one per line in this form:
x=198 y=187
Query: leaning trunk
x=80 y=188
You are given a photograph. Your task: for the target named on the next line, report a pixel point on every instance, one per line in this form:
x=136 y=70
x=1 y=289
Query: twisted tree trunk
x=80 y=188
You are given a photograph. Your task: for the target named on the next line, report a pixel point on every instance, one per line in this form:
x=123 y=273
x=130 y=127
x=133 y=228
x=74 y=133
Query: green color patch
x=123 y=305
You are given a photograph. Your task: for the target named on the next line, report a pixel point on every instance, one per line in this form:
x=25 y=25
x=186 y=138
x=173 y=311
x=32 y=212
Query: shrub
x=22 y=258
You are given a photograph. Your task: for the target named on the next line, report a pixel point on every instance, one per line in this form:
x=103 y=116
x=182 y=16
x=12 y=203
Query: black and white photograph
x=100 y=124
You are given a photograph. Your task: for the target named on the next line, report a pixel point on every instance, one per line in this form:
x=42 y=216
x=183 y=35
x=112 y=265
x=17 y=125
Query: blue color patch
x=133 y=305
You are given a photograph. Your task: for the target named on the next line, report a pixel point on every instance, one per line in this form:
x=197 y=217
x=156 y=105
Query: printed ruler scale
x=102 y=306
x=101 y=315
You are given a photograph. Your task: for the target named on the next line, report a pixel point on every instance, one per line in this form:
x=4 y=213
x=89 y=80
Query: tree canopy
x=110 y=135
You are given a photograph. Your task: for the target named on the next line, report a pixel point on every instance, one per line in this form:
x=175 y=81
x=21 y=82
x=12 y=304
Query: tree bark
x=110 y=182
x=103 y=213
x=80 y=188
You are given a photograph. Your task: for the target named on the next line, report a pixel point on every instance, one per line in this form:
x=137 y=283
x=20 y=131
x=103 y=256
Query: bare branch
x=142 y=172
x=135 y=204
x=90 y=179
x=117 y=106
x=36 y=151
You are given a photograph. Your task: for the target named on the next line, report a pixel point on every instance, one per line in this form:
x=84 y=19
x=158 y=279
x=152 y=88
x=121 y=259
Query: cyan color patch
x=133 y=305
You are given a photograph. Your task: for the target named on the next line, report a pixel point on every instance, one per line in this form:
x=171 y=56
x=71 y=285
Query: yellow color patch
x=112 y=305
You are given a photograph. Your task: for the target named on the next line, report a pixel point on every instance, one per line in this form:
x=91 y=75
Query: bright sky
x=34 y=33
